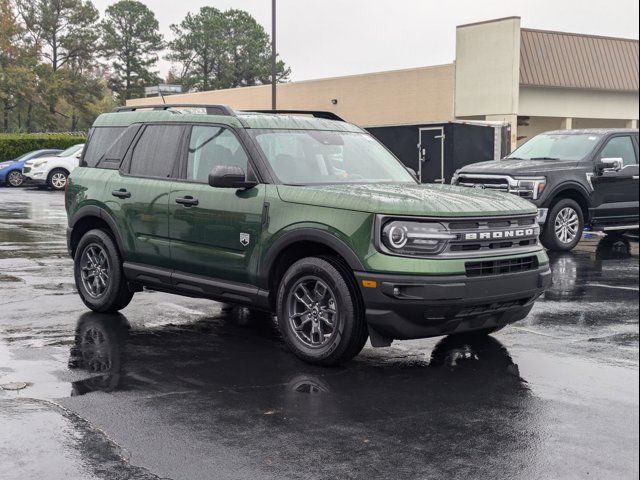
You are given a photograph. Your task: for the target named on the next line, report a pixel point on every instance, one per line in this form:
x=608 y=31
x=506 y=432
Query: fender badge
x=245 y=238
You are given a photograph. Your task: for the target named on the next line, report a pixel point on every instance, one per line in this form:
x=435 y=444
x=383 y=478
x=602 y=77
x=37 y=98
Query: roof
x=593 y=131
x=240 y=120
x=558 y=59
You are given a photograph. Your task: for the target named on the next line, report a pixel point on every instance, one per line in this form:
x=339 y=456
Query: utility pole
x=273 y=55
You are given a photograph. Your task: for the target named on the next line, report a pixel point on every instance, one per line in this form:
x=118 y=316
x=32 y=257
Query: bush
x=12 y=145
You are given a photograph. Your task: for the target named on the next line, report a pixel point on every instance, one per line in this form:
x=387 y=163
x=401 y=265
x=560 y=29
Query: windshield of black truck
x=551 y=146
x=304 y=157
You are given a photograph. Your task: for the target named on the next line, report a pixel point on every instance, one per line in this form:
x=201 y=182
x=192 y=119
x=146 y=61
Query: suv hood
x=408 y=199
x=519 y=167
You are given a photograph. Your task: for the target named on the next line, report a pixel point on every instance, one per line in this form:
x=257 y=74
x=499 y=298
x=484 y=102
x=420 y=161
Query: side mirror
x=610 y=165
x=230 y=176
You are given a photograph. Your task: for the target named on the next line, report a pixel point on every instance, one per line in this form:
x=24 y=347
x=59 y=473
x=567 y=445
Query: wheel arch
x=573 y=191
x=90 y=217
x=301 y=243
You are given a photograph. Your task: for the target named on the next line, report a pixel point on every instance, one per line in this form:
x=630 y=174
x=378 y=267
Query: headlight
x=531 y=188
x=414 y=238
x=39 y=163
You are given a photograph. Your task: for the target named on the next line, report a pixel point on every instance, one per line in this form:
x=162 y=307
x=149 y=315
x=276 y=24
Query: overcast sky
x=326 y=38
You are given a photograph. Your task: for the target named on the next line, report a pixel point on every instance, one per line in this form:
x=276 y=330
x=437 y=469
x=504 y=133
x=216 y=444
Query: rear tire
x=57 y=179
x=15 y=178
x=320 y=313
x=563 y=229
x=98 y=273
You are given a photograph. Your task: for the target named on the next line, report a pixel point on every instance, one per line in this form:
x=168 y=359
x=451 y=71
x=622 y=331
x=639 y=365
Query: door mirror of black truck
x=230 y=176
x=609 y=165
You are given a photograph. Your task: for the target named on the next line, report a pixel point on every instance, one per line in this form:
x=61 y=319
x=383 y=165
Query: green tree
x=131 y=41
x=17 y=58
x=248 y=49
x=222 y=50
x=65 y=30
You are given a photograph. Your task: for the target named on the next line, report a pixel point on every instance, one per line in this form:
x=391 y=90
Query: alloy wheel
x=312 y=312
x=566 y=225
x=15 y=178
x=95 y=271
x=58 y=180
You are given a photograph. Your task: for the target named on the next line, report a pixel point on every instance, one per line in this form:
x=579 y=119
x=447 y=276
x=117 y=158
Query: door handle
x=122 y=193
x=187 y=201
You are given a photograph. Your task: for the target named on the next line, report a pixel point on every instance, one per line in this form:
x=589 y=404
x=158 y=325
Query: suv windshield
x=70 y=151
x=303 y=157
x=553 y=146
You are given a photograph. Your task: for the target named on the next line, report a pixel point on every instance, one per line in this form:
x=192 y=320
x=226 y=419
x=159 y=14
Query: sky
x=328 y=38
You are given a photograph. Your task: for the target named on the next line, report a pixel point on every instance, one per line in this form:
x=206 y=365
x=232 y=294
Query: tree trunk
x=29 y=117
x=5 y=118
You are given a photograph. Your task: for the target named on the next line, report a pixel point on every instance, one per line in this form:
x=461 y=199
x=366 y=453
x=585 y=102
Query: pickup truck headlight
x=404 y=237
x=531 y=188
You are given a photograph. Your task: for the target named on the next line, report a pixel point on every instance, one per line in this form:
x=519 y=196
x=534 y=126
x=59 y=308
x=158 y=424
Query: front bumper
x=409 y=306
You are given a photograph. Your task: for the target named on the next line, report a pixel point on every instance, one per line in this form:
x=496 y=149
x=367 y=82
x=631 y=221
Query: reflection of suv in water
x=310 y=218
x=574 y=177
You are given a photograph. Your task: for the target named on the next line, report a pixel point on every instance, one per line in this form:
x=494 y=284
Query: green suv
x=299 y=214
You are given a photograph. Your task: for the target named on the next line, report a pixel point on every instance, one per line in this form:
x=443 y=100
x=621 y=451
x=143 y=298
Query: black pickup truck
x=574 y=177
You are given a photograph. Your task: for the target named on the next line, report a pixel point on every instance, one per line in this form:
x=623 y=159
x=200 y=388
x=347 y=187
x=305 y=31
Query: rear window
x=156 y=152
x=101 y=139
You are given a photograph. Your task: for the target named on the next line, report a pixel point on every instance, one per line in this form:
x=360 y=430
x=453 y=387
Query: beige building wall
x=575 y=103
x=386 y=98
x=487 y=68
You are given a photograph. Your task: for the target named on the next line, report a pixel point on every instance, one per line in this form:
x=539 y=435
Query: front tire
x=563 y=229
x=57 y=179
x=98 y=273
x=15 y=178
x=320 y=313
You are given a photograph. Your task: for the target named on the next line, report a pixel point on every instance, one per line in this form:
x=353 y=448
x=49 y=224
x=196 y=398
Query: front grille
x=501 y=267
x=495 y=183
x=26 y=169
x=492 y=235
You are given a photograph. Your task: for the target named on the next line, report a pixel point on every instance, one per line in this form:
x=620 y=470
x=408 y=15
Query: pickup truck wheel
x=57 y=179
x=563 y=229
x=98 y=273
x=319 y=312
x=15 y=178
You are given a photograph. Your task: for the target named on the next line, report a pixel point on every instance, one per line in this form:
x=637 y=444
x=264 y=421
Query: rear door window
x=157 y=151
x=101 y=139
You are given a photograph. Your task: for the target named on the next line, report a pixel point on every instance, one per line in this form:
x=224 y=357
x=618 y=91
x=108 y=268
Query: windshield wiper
x=514 y=158
x=544 y=158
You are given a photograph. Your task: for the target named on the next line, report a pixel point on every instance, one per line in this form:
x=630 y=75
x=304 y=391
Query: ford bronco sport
x=574 y=177
x=301 y=215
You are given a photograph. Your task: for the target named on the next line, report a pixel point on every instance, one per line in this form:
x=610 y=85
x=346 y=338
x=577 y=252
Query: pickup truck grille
x=494 y=182
x=492 y=236
x=500 y=267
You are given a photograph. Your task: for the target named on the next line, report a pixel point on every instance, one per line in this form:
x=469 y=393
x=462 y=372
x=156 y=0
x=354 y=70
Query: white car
x=53 y=171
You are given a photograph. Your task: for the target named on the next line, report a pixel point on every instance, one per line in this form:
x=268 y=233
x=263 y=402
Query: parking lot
x=190 y=389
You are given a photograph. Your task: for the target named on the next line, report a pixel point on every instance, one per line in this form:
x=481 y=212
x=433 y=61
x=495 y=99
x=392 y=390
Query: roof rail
x=314 y=113
x=210 y=109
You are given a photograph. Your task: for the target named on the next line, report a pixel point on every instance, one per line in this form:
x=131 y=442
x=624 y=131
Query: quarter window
x=101 y=139
x=620 y=147
x=211 y=146
x=156 y=152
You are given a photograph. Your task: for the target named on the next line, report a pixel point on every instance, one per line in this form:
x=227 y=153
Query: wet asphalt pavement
x=186 y=389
